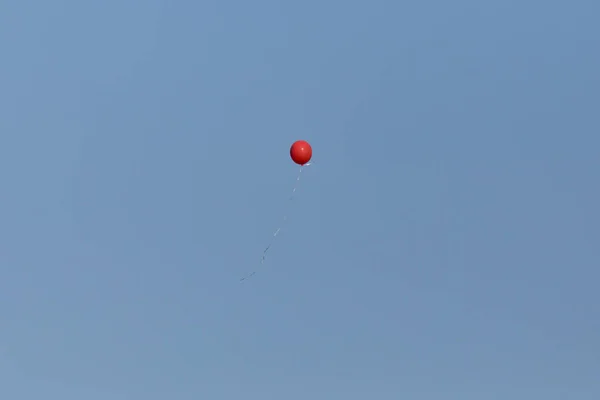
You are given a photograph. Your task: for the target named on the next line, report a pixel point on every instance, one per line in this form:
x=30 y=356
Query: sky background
x=444 y=245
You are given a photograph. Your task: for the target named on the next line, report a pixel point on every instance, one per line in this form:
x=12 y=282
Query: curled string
x=285 y=218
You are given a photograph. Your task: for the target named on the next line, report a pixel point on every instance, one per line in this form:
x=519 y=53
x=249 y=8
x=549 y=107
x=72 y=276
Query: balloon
x=301 y=152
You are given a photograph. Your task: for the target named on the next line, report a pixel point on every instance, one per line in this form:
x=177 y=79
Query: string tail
x=278 y=230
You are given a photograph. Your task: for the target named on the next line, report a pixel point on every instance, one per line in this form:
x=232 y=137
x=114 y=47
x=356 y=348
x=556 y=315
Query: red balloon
x=301 y=152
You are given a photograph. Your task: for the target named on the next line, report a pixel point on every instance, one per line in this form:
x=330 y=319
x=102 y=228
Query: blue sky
x=444 y=245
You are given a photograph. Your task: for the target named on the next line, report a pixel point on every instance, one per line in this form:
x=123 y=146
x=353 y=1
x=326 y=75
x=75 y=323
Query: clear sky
x=444 y=245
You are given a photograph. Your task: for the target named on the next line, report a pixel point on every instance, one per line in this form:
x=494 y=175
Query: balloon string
x=285 y=218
